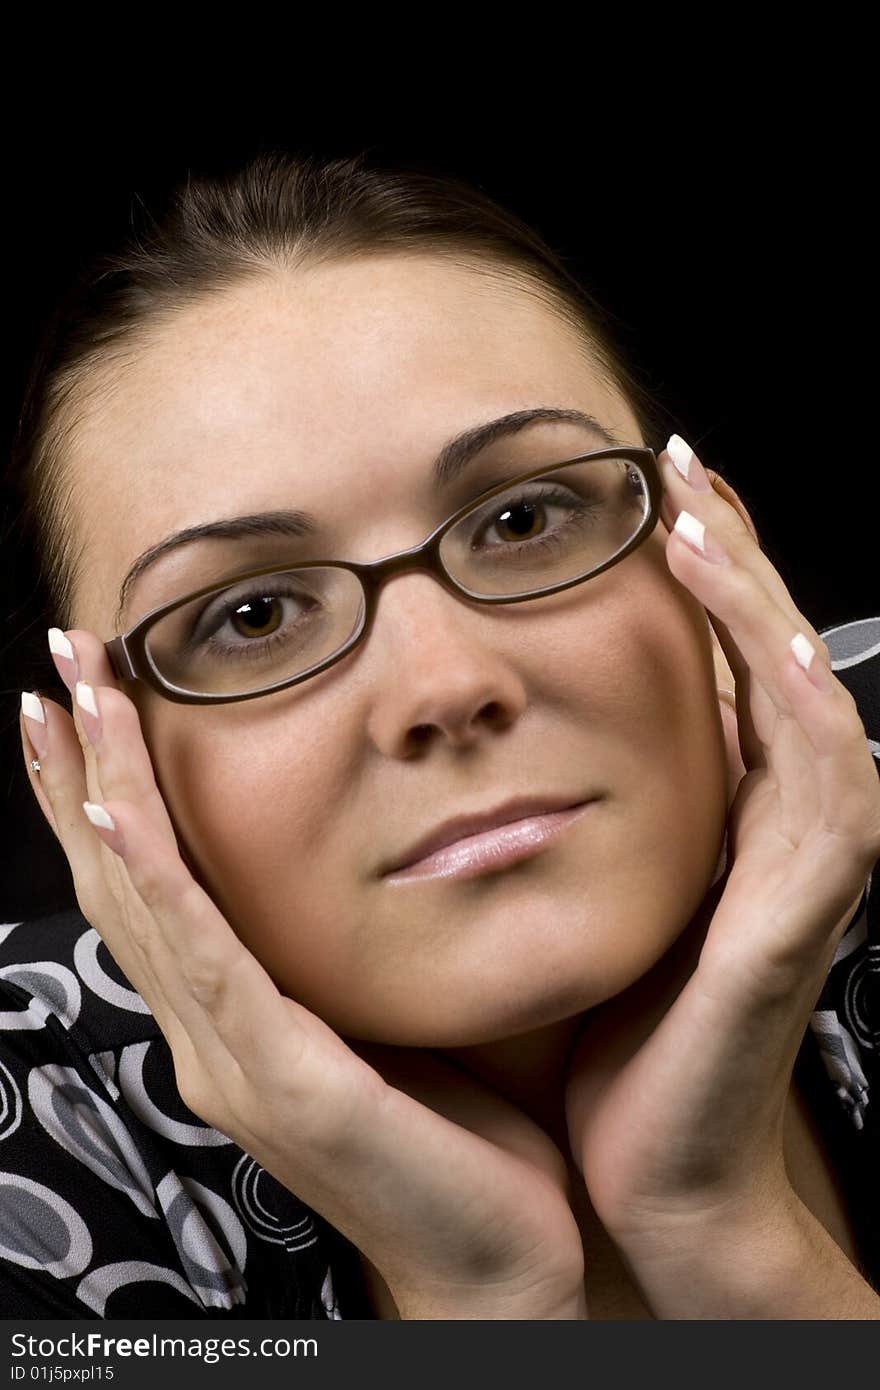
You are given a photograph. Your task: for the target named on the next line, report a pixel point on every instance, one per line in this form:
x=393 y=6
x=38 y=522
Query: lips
x=460 y=826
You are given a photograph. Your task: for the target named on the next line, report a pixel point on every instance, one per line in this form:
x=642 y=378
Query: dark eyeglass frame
x=128 y=656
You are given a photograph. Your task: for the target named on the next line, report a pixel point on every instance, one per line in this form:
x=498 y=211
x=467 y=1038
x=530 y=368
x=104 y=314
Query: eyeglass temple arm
x=120 y=660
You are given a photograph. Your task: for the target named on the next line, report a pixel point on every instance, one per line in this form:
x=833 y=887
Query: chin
x=484 y=1015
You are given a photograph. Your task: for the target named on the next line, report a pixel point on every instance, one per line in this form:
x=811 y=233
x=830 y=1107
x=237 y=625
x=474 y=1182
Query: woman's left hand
x=677 y=1087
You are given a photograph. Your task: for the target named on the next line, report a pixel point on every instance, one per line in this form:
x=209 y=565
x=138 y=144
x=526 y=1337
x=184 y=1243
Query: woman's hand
x=460 y=1202
x=677 y=1087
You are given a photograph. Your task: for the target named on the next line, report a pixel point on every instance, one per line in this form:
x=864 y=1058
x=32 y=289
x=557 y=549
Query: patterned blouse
x=116 y=1201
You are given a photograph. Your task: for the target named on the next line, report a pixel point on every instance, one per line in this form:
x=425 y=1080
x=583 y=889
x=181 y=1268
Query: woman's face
x=332 y=390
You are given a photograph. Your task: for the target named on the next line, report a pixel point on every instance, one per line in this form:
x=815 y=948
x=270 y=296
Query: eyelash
x=554 y=538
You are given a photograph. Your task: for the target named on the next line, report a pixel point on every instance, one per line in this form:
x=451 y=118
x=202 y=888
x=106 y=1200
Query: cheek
x=257 y=827
x=645 y=694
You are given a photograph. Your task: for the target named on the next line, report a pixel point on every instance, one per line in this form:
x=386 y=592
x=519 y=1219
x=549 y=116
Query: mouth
x=468 y=846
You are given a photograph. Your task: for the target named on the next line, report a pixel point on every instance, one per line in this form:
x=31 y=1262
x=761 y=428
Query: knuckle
x=148 y=879
x=85 y=745
x=142 y=930
x=204 y=975
x=116 y=706
x=852 y=715
x=89 y=893
x=196 y=1090
x=741 y=587
x=213 y=1103
x=196 y=1096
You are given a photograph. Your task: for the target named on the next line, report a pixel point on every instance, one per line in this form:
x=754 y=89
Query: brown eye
x=262 y=613
x=521 y=520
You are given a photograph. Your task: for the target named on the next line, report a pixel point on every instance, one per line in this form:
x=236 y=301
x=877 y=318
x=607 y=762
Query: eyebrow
x=453 y=458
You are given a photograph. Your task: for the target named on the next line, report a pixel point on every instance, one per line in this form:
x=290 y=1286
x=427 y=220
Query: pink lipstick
x=492 y=849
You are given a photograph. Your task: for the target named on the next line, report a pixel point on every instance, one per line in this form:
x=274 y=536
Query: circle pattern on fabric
x=40 y=1230
x=255 y=1193
x=87 y=1127
x=855 y=1003
x=99 y=1286
x=133 y=1085
x=10 y=1103
x=214 y=1273
x=53 y=989
x=85 y=958
x=328 y=1296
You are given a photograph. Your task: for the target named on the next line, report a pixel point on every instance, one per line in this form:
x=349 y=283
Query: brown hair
x=278 y=211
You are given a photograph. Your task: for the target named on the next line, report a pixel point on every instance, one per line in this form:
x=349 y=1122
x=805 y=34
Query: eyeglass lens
x=530 y=538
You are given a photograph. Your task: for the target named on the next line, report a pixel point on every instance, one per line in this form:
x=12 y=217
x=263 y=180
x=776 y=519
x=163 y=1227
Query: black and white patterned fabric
x=838 y=1065
x=117 y=1201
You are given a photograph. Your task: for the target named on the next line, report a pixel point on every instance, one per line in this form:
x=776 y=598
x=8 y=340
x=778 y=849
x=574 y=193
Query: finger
x=768 y=741
x=118 y=765
x=702 y=499
x=60 y=788
x=233 y=1023
x=737 y=590
x=110 y=728
x=32 y=726
x=755 y=714
x=73 y=778
x=745 y=699
x=771 y=576
x=79 y=655
x=165 y=932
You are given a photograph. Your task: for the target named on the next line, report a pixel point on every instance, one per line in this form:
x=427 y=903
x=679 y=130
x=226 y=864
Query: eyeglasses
x=212 y=646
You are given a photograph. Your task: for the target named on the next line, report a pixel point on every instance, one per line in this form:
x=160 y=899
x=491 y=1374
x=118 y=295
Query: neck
x=529 y=1070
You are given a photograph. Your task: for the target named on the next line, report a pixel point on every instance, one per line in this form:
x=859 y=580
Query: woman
x=547 y=1073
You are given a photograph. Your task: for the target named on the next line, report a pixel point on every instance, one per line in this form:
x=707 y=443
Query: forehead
x=306 y=389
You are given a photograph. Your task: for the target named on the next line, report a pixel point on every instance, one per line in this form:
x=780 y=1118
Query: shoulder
x=127 y=1203
x=832 y=1129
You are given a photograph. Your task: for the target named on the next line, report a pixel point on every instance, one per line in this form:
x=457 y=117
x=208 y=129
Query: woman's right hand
x=457 y=1198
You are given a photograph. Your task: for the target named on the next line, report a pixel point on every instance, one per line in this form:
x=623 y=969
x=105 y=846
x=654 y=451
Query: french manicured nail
x=687 y=463
x=98 y=816
x=91 y=719
x=693 y=532
x=816 y=671
x=35 y=715
x=67 y=666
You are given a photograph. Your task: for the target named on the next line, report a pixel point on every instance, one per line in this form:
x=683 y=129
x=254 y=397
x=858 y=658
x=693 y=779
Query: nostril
x=494 y=713
x=421 y=732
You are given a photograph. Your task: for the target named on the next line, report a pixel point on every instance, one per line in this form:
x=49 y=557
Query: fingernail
x=98 y=816
x=91 y=719
x=688 y=465
x=816 y=671
x=67 y=665
x=35 y=717
x=694 y=533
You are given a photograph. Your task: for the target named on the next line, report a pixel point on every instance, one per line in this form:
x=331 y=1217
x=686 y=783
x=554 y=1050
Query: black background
x=723 y=224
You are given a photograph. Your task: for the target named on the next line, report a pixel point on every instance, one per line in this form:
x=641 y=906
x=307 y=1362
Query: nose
x=439 y=673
